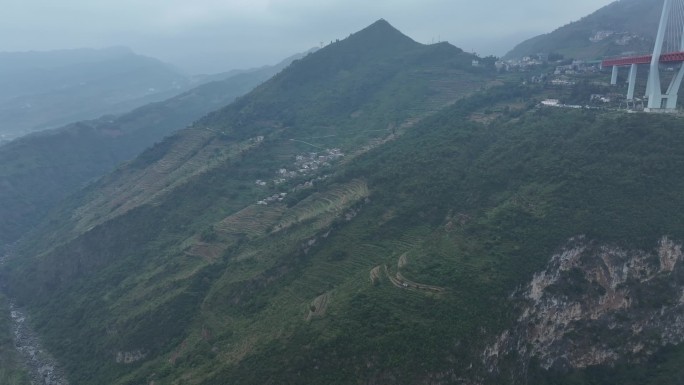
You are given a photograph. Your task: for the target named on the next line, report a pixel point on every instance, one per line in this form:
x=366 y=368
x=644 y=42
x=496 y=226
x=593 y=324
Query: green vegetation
x=170 y=258
x=155 y=284
x=38 y=171
x=633 y=24
x=664 y=367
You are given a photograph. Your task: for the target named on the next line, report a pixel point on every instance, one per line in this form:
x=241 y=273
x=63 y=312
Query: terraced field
x=318 y=306
x=450 y=88
x=375 y=274
x=445 y=87
x=257 y=221
x=193 y=151
x=209 y=251
x=403 y=261
x=400 y=281
x=331 y=202
x=253 y=221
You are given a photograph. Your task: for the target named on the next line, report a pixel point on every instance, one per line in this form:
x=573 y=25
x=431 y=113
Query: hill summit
x=381 y=34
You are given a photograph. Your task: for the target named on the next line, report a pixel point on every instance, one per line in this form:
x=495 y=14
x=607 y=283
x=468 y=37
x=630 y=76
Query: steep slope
x=483 y=242
x=365 y=88
x=621 y=27
x=205 y=286
x=597 y=306
x=181 y=222
x=40 y=90
x=38 y=171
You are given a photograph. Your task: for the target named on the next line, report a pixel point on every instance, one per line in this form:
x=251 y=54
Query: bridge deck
x=672 y=57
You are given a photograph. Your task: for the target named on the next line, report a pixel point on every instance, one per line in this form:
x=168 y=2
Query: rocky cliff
x=596 y=304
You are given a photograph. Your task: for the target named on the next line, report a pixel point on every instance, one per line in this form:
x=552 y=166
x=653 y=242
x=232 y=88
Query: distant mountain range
x=38 y=170
x=623 y=27
x=40 y=90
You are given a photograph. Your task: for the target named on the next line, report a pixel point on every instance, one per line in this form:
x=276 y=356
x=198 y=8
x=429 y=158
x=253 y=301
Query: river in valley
x=40 y=365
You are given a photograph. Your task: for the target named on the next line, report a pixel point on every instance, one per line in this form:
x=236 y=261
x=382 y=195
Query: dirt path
x=401 y=282
x=419 y=286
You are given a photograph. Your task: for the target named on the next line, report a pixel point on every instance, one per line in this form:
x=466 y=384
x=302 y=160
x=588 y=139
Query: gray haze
x=207 y=36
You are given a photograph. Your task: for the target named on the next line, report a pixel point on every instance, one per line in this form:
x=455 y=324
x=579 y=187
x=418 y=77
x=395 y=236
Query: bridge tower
x=657 y=101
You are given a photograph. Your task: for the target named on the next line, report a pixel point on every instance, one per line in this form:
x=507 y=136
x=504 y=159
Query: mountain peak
x=382 y=23
x=383 y=32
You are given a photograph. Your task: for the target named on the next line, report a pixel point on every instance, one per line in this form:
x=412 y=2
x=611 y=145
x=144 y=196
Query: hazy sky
x=217 y=35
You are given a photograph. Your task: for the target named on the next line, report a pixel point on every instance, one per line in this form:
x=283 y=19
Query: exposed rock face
x=596 y=304
x=42 y=367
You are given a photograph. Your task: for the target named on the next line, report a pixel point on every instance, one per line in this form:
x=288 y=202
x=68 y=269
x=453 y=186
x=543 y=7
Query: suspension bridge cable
x=679 y=43
x=673 y=23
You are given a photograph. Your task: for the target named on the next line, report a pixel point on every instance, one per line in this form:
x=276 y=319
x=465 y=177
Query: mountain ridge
x=40 y=90
x=618 y=28
x=155 y=202
x=277 y=115
x=40 y=169
x=375 y=222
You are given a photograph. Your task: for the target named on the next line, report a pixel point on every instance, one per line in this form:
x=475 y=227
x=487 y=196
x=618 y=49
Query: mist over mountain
x=40 y=90
x=623 y=27
x=39 y=170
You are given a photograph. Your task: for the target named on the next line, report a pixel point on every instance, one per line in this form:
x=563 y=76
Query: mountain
x=381 y=211
x=124 y=263
x=40 y=90
x=38 y=171
x=204 y=78
x=626 y=26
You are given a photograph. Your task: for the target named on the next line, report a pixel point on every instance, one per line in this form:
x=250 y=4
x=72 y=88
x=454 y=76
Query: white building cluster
x=304 y=164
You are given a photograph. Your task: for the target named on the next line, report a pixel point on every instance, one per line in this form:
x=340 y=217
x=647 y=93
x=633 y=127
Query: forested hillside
x=39 y=170
x=380 y=212
x=623 y=27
